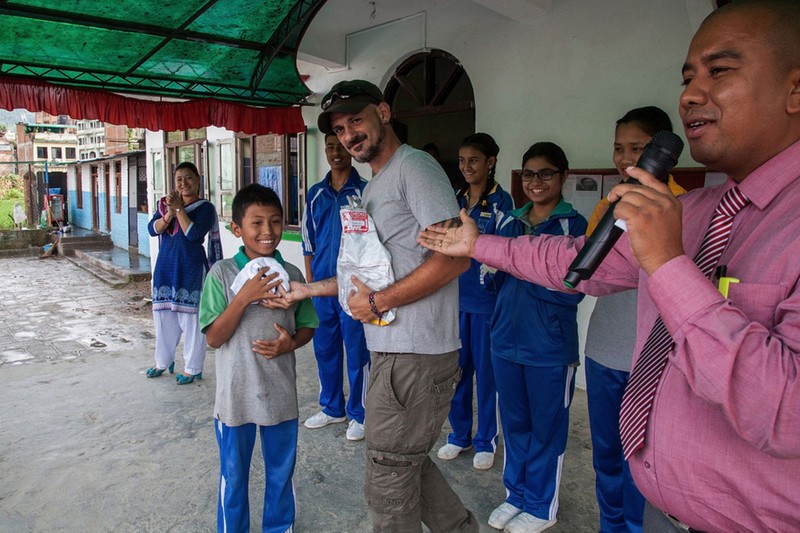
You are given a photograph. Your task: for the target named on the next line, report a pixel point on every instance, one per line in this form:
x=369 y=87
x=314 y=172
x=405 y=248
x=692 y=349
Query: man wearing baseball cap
x=415 y=358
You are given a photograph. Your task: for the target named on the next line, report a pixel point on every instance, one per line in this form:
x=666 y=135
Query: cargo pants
x=407 y=402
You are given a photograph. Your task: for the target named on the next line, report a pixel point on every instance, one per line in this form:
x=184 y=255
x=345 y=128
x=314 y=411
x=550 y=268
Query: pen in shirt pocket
x=723 y=281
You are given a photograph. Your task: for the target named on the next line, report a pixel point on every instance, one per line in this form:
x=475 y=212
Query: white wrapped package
x=362 y=255
x=251 y=269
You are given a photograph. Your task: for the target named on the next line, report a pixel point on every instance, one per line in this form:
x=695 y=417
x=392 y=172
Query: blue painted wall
x=119 y=223
x=144 y=235
x=80 y=217
x=101 y=211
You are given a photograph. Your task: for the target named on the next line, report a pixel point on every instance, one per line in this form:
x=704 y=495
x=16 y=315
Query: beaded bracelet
x=374 y=307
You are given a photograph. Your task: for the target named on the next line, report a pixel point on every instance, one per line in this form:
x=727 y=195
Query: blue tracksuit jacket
x=532 y=325
x=473 y=297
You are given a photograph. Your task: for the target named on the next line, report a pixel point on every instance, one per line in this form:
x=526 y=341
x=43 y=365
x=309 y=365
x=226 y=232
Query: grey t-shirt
x=250 y=388
x=611 y=336
x=408 y=194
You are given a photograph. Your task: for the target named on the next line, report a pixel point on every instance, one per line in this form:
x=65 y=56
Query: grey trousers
x=407 y=402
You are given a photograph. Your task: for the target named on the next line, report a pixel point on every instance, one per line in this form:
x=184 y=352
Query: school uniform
x=254 y=395
x=534 y=339
x=322 y=232
x=475 y=305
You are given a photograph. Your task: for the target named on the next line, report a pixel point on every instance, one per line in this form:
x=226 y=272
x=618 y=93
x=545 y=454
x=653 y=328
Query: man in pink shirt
x=722 y=441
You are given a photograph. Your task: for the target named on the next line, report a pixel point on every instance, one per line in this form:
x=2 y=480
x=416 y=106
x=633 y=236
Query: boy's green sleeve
x=212 y=302
x=305 y=316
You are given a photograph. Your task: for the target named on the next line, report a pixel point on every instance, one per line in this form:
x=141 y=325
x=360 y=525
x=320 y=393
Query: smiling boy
x=255 y=362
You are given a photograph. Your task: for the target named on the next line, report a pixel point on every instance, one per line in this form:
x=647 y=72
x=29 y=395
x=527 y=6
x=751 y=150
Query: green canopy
x=236 y=51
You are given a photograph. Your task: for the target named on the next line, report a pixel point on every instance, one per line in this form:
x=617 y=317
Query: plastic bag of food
x=361 y=254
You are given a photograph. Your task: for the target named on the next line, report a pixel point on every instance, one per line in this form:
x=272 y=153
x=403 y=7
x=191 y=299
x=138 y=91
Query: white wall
x=154 y=142
x=565 y=76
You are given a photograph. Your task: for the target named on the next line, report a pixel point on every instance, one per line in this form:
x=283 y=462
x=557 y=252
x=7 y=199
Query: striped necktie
x=641 y=389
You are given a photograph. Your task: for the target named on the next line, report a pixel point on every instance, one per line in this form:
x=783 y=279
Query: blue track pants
x=279 y=449
x=534 y=412
x=337 y=327
x=475 y=359
x=620 y=502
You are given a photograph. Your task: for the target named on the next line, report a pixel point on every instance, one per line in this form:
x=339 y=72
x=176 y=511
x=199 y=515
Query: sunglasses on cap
x=348 y=91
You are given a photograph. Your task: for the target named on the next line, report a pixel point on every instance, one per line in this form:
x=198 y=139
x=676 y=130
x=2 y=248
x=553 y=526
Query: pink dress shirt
x=722 y=449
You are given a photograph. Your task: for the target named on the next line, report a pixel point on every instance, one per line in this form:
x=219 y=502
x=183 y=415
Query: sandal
x=183 y=379
x=154 y=372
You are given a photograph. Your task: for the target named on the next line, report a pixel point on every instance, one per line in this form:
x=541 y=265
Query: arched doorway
x=433 y=102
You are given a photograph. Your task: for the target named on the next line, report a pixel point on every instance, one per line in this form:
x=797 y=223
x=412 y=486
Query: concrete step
x=114 y=266
x=30 y=251
x=69 y=244
x=98 y=270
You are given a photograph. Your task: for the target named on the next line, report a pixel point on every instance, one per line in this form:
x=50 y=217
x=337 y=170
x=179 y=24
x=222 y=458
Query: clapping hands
x=175 y=201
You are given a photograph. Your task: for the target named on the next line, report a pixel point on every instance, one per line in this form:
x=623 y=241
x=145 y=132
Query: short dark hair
x=253 y=194
x=550 y=151
x=784 y=34
x=650 y=119
x=430 y=146
x=187 y=164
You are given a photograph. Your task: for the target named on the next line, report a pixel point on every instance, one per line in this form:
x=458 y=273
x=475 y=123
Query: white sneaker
x=355 y=431
x=483 y=460
x=502 y=515
x=448 y=452
x=320 y=420
x=527 y=523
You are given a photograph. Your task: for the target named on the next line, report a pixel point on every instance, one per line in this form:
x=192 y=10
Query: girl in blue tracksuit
x=485 y=201
x=534 y=340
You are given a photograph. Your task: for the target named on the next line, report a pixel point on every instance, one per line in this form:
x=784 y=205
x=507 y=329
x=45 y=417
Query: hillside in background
x=10 y=118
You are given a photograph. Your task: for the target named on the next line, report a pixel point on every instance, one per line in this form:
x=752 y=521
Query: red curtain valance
x=35 y=95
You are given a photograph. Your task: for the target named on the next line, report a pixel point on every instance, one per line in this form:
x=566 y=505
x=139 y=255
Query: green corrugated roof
x=237 y=50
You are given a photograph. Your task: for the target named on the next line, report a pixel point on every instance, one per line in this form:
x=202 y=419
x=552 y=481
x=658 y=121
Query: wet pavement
x=51 y=310
x=87 y=443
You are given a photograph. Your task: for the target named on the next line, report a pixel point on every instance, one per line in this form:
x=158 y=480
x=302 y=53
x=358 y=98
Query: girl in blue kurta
x=534 y=340
x=485 y=201
x=181 y=223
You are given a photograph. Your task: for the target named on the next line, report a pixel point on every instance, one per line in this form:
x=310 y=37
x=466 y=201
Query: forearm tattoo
x=449 y=223
x=327 y=282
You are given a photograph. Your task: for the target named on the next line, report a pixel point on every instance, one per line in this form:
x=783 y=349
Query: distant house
x=8 y=157
x=99 y=139
x=98 y=169
x=45 y=147
x=109 y=195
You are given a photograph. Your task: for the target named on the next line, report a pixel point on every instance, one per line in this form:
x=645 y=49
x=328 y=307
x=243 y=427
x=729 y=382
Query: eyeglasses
x=343 y=93
x=546 y=174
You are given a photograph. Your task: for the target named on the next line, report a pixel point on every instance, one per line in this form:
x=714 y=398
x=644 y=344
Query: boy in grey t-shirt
x=255 y=362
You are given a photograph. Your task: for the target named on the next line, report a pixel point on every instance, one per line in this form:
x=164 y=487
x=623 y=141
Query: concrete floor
x=87 y=443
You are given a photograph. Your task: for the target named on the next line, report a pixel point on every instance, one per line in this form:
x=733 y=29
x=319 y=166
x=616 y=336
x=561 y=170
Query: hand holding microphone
x=658 y=157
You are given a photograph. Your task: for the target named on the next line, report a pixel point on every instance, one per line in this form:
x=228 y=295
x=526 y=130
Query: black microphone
x=658 y=157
